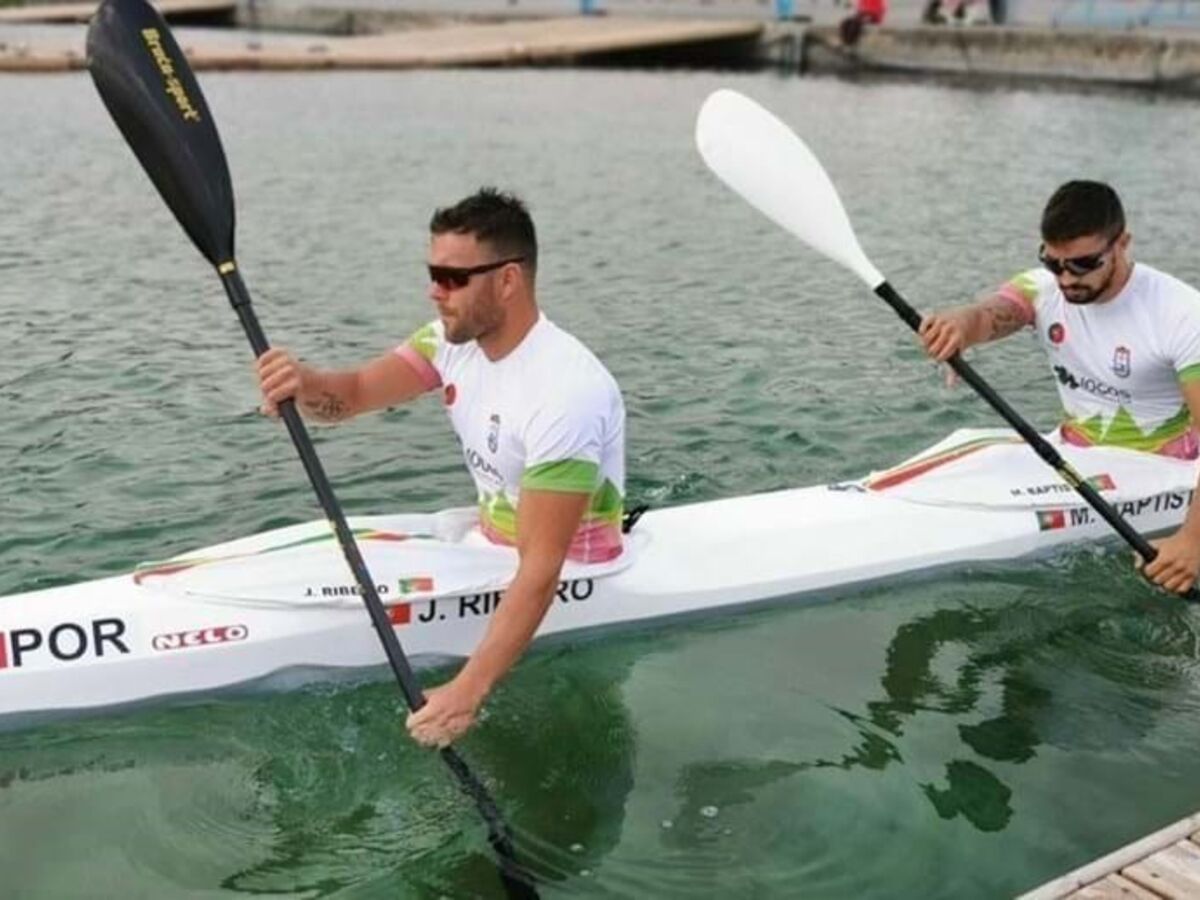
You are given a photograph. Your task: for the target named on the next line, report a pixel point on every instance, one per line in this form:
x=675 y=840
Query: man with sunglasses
x=540 y=419
x=1123 y=341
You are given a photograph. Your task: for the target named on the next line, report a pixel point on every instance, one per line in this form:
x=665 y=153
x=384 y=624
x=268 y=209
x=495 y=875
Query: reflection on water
x=1018 y=677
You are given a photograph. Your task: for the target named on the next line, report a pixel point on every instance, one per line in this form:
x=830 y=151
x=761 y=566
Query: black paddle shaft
x=149 y=89
x=239 y=299
x=517 y=882
x=1041 y=446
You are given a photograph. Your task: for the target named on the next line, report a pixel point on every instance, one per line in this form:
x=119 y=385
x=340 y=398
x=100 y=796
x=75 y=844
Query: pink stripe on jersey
x=594 y=542
x=1013 y=296
x=1186 y=446
x=429 y=376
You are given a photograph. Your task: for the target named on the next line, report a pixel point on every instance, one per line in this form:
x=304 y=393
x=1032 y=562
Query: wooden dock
x=538 y=42
x=1165 y=864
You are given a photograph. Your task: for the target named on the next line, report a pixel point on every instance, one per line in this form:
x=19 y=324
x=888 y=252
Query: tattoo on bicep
x=327 y=408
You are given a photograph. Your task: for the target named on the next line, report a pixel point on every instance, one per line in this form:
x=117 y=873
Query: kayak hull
x=280 y=608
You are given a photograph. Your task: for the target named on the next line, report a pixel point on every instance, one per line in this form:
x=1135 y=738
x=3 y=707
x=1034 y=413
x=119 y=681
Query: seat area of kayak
x=417 y=557
x=413 y=557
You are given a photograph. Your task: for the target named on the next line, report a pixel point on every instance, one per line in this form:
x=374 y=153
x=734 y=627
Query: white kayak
x=280 y=608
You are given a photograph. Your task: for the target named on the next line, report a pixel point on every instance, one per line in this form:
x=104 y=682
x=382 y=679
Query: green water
x=966 y=735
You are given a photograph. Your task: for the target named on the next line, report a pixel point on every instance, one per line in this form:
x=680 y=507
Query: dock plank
x=1114 y=887
x=1116 y=862
x=505 y=44
x=1173 y=872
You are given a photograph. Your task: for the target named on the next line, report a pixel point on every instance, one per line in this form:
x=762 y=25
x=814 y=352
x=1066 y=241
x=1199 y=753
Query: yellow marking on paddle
x=226 y=267
x=1071 y=477
x=171 y=81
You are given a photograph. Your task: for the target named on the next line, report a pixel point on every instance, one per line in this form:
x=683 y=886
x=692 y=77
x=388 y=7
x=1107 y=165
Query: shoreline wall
x=270 y=34
x=1165 y=60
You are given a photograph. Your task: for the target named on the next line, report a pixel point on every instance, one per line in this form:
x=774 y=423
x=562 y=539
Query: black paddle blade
x=153 y=97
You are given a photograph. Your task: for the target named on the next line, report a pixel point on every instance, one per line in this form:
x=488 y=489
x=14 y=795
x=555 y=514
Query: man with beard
x=1123 y=341
x=540 y=419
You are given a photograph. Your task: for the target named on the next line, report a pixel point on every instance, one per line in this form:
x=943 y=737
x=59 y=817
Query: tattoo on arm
x=328 y=407
x=1000 y=319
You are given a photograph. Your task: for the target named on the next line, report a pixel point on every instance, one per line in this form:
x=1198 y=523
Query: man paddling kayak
x=540 y=419
x=1123 y=341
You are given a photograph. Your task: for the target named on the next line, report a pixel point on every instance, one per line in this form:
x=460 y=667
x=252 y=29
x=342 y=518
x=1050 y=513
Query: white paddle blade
x=772 y=169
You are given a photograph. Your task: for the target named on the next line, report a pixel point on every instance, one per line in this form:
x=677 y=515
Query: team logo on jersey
x=1121 y=367
x=1066 y=378
x=1093 y=386
x=1056 y=333
x=493 y=437
x=450 y=394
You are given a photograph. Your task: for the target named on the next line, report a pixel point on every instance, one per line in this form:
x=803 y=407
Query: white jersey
x=547 y=416
x=1119 y=364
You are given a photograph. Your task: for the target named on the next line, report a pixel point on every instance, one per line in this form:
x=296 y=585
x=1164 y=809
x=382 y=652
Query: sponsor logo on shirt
x=1093 y=386
x=493 y=437
x=1120 y=363
x=477 y=463
x=1056 y=333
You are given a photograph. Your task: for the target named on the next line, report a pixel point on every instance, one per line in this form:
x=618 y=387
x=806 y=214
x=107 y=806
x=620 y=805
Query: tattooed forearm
x=1000 y=319
x=328 y=407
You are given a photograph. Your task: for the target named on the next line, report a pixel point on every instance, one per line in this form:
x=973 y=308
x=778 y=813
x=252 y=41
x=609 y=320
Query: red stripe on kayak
x=161 y=570
x=899 y=476
x=385 y=536
x=147 y=569
x=902 y=475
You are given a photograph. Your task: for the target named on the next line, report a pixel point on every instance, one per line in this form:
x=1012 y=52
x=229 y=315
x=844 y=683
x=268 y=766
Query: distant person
x=1123 y=341
x=866 y=12
x=932 y=13
x=963 y=12
x=871 y=12
x=540 y=420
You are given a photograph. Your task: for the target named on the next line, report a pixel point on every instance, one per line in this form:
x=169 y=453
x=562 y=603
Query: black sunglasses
x=1076 y=265
x=450 y=278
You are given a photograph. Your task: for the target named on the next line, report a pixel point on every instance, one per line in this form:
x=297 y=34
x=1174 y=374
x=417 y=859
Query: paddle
x=152 y=95
x=774 y=171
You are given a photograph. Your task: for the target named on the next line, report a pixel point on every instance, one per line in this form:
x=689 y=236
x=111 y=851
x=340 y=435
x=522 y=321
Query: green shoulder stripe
x=570 y=475
x=1025 y=286
x=424 y=341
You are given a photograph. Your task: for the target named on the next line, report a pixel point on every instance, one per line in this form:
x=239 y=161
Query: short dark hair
x=1082 y=208
x=493 y=216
